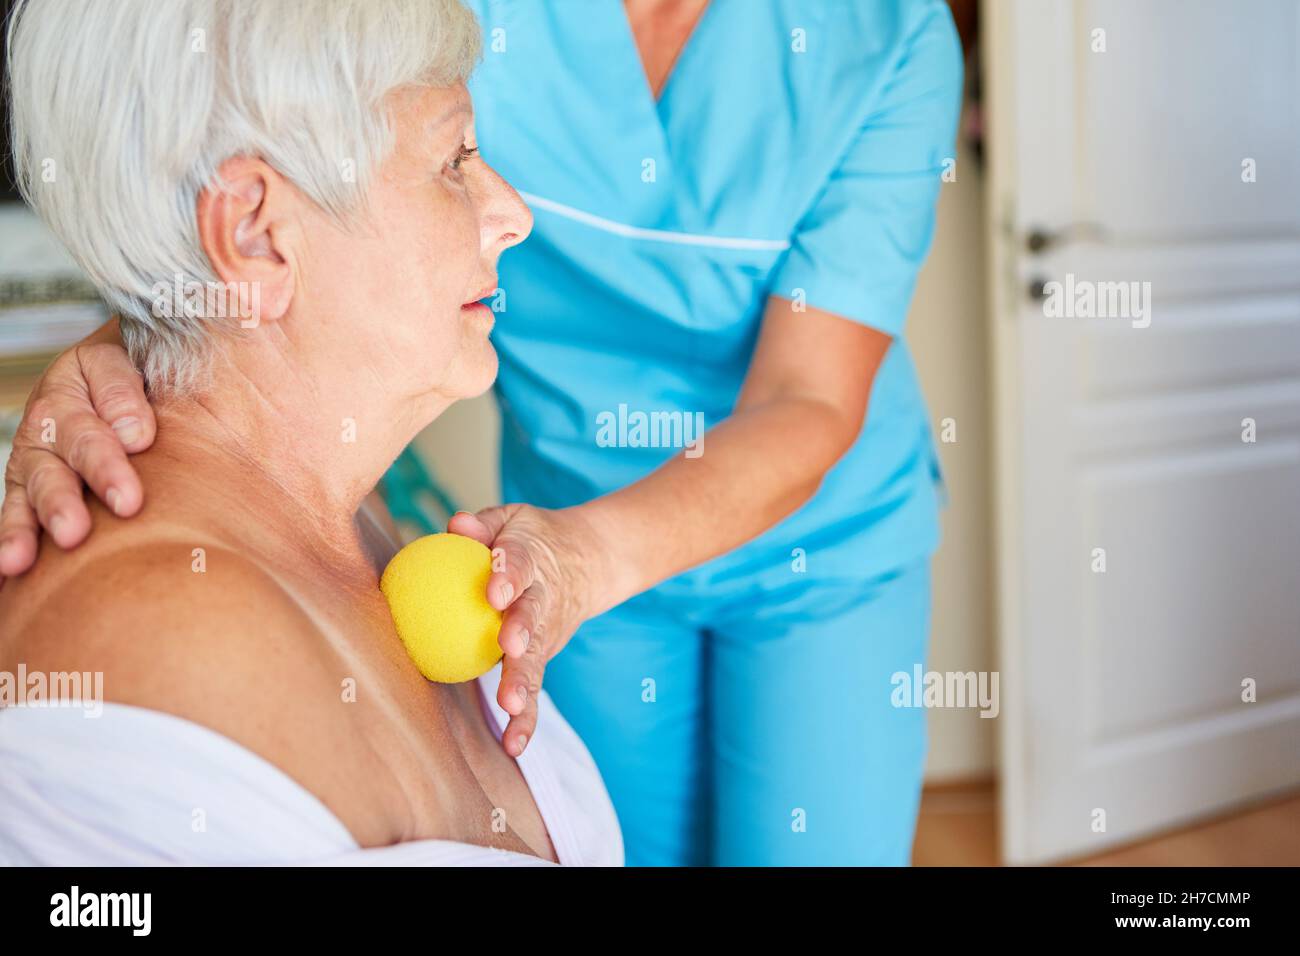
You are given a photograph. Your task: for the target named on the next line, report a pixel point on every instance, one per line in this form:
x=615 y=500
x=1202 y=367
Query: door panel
x=1123 y=688
x=1185 y=91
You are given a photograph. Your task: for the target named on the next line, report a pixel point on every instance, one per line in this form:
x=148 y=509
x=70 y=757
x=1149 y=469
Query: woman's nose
x=507 y=220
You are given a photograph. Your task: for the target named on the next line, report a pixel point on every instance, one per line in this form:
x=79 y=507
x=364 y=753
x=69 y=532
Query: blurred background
x=1122 y=542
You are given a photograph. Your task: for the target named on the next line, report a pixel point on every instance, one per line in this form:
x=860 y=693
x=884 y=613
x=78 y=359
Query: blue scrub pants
x=759 y=731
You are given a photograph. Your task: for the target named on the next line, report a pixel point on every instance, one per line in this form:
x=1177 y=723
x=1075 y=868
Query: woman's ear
x=244 y=229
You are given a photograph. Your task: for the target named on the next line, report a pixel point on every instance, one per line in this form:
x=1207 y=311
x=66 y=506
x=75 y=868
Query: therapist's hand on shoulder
x=87 y=412
x=548 y=568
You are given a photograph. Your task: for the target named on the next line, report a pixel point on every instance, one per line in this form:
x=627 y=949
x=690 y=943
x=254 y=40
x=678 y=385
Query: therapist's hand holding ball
x=548 y=570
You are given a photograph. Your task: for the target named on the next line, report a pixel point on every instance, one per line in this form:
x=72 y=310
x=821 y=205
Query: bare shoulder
x=209 y=636
x=181 y=629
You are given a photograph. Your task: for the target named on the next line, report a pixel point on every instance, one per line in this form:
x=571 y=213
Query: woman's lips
x=482 y=294
x=479 y=311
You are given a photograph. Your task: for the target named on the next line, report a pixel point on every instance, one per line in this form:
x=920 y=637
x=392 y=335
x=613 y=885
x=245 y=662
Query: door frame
x=997 y=56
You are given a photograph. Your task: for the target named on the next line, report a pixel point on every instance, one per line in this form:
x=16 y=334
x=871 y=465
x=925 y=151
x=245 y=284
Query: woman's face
x=404 y=283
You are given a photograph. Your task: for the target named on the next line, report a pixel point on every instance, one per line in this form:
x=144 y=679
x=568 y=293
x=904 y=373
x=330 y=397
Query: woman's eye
x=464 y=154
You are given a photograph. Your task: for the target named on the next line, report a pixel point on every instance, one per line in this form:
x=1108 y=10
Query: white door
x=1119 y=157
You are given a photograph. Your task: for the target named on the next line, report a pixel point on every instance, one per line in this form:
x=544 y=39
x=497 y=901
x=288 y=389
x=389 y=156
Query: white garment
x=132 y=786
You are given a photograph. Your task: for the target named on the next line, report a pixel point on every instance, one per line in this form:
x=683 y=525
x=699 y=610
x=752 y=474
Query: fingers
x=117 y=394
x=95 y=452
x=18 y=532
x=53 y=492
x=63 y=439
x=513 y=574
x=39 y=488
x=471 y=526
x=521 y=682
x=521 y=623
x=122 y=422
x=513 y=571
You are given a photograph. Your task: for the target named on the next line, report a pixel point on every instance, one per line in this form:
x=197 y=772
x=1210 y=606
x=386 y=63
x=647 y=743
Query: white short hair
x=122 y=111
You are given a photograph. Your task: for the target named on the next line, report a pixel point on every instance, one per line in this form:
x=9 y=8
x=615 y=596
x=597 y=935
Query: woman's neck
x=311 y=452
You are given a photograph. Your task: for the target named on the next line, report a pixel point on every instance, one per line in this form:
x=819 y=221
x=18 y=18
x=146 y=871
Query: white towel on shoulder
x=139 y=787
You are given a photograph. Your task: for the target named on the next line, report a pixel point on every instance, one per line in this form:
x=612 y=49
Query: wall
x=947 y=330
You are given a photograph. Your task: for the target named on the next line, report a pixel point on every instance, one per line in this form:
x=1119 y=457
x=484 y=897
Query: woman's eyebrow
x=458 y=109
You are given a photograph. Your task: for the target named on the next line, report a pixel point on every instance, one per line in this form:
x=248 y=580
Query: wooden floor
x=958 y=827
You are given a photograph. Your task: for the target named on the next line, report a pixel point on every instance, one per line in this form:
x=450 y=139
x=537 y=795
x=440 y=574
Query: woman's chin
x=482 y=366
x=489 y=377
x=480 y=371
x=468 y=373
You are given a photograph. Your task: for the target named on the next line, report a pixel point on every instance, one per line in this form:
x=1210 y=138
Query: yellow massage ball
x=436 y=588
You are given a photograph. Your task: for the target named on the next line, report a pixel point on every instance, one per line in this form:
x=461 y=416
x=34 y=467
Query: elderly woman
x=316 y=163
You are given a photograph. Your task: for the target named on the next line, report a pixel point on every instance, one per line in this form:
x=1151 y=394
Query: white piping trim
x=652 y=235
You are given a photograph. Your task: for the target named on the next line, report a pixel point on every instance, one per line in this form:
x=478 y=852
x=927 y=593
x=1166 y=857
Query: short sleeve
x=857 y=251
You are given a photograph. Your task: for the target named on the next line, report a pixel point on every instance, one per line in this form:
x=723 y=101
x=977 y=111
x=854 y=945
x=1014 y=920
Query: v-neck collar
x=677 y=207
x=657 y=104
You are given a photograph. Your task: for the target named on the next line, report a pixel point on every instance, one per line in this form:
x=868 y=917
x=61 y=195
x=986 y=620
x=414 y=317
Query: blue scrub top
x=796 y=150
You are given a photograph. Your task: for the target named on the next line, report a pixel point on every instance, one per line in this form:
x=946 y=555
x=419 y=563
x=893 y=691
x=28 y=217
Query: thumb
x=483 y=527
x=117 y=393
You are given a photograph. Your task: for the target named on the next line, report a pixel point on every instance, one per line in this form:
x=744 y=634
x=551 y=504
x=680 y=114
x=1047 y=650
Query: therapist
x=732 y=200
